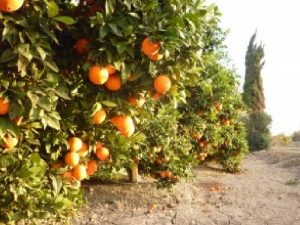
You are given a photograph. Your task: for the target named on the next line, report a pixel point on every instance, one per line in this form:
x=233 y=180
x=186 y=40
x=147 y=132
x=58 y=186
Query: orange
x=75 y=144
x=155 y=57
x=136 y=102
x=9 y=141
x=102 y=153
x=98 y=75
x=149 y=47
x=169 y=174
x=124 y=124
x=4 y=105
x=218 y=106
x=10 y=5
x=162 y=84
x=113 y=83
x=84 y=151
x=99 y=117
x=99 y=145
x=197 y=136
x=91 y=167
x=156 y=96
x=79 y=172
x=82 y=46
x=57 y=165
x=18 y=120
x=111 y=69
x=163 y=174
x=226 y=122
x=159 y=161
x=72 y=158
x=67 y=175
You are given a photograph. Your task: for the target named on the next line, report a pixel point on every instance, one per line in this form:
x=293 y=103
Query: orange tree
x=95 y=85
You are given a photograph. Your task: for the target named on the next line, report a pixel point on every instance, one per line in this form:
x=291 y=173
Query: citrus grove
x=91 y=87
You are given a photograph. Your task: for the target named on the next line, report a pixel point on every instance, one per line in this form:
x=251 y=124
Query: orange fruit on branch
x=99 y=117
x=84 y=151
x=67 y=175
x=149 y=47
x=102 y=153
x=155 y=57
x=91 y=167
x=79 y=172
x=124 y=124
x=57 y=165
x=139 y=102
x=111 y=69
x=113 y=83
x=4 y=106
x=75 y=144
x=10 y=5
x=98 y=75
x=82 y=46
x=72 y=159
x=162 y=84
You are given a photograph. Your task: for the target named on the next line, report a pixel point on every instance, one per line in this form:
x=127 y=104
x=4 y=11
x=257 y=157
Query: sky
x=278 y=27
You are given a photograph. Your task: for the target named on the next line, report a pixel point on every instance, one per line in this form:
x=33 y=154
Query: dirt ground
x=266 y=192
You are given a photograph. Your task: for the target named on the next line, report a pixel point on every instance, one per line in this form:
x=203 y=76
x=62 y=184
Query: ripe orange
x=9 y=141
x=218 y=106
x=159 y=161
x=10 y=5
x=91 y=167
x=75 y=144
x=99 y=117
x=155 y=57
x=98 y=75
x=226 y=122
x=197 y=136
x=67 y=175
x=113 y=83
x=84 y=151
x=162 y=84
x=18 y=120
x=98 y=145
x=102 y=153
x=57 y=165
x=149 y=47
x=169 y=174
x=111 y=69
x=163 y=174
x=4 y=106
x=156 y=96
x=124 y=124
x=72 y=159
x=82 y=46
x=136 y=102
x=79 y=172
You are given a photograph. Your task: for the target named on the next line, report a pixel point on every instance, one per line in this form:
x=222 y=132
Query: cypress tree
x=258 y=122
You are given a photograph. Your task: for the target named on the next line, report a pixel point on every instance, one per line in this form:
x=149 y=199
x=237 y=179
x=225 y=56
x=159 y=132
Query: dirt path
x=266 y=192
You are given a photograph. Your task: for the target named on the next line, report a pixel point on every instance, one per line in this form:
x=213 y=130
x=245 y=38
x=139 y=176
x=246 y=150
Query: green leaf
x=7 y=55
x=109 y=104
x=62 y=91
x=53 y=9
x=110 y=6
x=65 y=19
x=56 y=183
x=6 y=125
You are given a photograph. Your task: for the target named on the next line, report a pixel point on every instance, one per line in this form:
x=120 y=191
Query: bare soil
x=267 y=191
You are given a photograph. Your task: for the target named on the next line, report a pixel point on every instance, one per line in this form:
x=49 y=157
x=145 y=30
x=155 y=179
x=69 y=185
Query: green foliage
x=258 y=128
x=253 y=95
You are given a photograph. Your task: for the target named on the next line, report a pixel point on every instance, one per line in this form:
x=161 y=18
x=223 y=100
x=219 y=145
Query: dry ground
x=266 y=192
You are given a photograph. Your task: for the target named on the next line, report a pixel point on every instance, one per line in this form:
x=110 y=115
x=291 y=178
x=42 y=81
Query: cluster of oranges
x=203 y=145
x=79 y=150
x=9 y=141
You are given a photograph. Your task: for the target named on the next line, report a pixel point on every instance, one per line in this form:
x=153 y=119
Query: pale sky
x=278 y=27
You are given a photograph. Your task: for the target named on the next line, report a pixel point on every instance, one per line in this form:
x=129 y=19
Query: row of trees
x=93 y=87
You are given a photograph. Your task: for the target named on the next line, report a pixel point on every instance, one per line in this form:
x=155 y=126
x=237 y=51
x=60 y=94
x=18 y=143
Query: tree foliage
x=52 y=98
x=258 y=121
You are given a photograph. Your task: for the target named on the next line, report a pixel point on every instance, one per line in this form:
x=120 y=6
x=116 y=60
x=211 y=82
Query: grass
x=292 y=182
